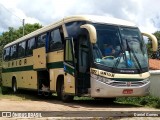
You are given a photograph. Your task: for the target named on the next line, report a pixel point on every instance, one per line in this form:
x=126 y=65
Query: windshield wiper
x=139 y=65
x=123 y=54
x=117 y=62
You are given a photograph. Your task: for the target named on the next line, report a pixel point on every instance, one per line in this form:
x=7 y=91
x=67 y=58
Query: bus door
x=69 y=67
x=83 y=66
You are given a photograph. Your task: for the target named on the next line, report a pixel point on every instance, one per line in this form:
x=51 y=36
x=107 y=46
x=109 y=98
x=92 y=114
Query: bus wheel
x=14 y=86
x=64 y=97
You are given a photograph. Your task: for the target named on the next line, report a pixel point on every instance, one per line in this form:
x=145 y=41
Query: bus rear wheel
x=14 y=86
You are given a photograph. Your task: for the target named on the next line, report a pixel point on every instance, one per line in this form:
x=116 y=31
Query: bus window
x=55 y=40
x=6 y=53
x=41 y=40
x=68 y=53
x=13 y=54
x=30 y=46
x=21 y=49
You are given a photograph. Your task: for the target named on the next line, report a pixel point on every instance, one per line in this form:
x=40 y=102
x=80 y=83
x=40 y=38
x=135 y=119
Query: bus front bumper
x=103 y=90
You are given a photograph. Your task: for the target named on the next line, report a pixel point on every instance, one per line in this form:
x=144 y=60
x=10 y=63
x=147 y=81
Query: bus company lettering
x=106 y=73
x=127 y=71
x=94 y=71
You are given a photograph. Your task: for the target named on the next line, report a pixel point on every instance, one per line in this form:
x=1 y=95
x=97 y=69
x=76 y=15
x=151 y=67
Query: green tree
x=156 y=55
x=157 y=34
x=152 y=54
x=13 y=34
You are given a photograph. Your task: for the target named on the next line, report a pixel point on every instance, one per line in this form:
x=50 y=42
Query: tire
x=65 y=97
x=61 y=95
x=59 y=91
x=14 y=86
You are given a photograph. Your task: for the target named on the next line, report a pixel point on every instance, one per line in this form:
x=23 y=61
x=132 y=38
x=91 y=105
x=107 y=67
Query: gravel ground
x=52 y=104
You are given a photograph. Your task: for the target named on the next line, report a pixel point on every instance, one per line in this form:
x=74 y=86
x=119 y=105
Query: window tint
x=6 y=53
x=30 y=46
x=13 y=52
x=55 y=40
x=73 y=28
x=21 y=49
x=41 y=40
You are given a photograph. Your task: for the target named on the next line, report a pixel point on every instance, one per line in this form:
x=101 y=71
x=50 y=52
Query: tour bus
x=83 y=55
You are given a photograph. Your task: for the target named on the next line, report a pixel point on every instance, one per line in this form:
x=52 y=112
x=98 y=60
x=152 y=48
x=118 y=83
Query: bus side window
x=21 y=49
x=6 y=53
x=55 y=42
x=41 y=40
x=13 y=54
x=30 y=46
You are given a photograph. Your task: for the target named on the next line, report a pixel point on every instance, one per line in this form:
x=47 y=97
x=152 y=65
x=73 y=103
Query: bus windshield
x=120 y=47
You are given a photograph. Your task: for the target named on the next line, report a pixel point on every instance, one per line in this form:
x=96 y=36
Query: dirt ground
x=25 y=102
x=55 y=105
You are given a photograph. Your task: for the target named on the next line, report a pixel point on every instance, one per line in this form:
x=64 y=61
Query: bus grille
x=127 y=84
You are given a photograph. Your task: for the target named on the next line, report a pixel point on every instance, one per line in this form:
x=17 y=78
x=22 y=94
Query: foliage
x=13 y=34
x=151 y=54
x=144 y=101
x=157 y=34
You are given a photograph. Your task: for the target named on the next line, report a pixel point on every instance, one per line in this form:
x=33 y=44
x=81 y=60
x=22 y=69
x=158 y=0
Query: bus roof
x=99 y=19
x=90 y=18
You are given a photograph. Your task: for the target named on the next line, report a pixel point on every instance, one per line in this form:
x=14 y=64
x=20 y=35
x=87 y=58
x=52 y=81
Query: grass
x=149 y=101
x=83 y=98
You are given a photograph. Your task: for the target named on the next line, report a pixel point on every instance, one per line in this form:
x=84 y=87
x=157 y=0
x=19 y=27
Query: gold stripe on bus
x=18 y=62
x=116 y=75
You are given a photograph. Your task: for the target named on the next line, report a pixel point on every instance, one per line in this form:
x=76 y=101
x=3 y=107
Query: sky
x=145 y=13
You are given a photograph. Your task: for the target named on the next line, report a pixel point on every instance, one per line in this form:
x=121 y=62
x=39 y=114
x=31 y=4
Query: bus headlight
x=101 y=79
x=147 y=80
x=104 y=80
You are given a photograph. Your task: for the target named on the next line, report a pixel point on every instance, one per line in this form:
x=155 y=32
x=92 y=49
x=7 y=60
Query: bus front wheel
x=64 y=96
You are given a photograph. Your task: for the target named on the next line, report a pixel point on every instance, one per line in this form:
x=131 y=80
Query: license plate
x=127 y=91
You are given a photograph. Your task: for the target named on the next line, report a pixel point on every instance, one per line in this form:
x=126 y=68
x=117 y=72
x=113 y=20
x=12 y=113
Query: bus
x=83 y=55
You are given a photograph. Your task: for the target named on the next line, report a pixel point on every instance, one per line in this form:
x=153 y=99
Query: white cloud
x=145 y=13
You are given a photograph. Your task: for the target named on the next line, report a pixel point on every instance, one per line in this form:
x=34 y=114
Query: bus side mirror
x=154 y=40
x=92 y=32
